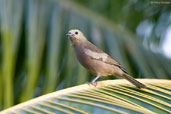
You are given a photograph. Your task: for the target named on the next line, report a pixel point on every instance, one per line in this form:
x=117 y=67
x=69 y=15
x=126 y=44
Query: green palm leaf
x=35 y=56
x=111 y=96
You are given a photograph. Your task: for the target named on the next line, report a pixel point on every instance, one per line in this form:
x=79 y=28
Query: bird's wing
x=103 y=57
x=95 y=53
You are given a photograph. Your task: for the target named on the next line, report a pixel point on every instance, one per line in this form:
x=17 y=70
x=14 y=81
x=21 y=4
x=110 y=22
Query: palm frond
x=36 y=57
x=111 y=96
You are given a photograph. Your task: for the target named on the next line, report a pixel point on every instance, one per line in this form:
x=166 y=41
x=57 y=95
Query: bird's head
x=76 y=36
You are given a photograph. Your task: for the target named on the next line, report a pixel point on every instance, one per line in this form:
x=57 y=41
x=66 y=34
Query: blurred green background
x=36 y=56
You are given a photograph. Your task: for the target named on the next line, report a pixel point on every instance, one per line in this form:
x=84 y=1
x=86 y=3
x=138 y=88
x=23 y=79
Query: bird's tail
x=133 y=81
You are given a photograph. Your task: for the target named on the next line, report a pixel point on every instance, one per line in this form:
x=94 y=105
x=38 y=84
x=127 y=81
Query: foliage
x=110 y=97
x=147 y=20
x=36 y=57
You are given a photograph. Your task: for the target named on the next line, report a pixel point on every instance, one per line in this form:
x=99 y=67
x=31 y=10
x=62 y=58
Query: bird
x=97 y=61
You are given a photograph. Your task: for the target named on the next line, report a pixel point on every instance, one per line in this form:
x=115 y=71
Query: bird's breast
x=84 y=59
x=95 y=66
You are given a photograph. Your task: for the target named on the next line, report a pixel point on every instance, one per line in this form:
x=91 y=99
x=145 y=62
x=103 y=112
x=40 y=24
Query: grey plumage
x=97 y=61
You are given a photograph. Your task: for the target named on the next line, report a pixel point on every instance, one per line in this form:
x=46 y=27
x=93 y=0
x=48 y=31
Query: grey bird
x=97 y=61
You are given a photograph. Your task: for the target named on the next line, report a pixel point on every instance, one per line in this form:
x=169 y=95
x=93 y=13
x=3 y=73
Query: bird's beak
x=69 y=34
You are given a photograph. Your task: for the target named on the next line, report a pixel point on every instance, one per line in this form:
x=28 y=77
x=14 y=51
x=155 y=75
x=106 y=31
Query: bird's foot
x=92 y=83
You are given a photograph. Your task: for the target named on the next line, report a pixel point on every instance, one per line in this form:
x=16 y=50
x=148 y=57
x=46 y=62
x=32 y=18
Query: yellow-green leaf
x=111 y=96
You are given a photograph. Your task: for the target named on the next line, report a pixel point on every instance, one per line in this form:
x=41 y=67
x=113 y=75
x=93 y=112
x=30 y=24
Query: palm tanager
x=97 y=61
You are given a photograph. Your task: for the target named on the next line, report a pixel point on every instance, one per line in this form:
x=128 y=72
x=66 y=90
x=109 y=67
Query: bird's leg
x=94 y=81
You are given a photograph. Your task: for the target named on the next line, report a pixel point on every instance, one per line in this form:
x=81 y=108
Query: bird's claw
x=92 y=83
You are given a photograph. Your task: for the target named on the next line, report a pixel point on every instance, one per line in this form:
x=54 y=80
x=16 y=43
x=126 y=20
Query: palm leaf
x=111 y=96
x=35 y=55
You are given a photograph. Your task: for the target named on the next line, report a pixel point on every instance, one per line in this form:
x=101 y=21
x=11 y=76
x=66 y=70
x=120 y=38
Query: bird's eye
x=76 y=32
